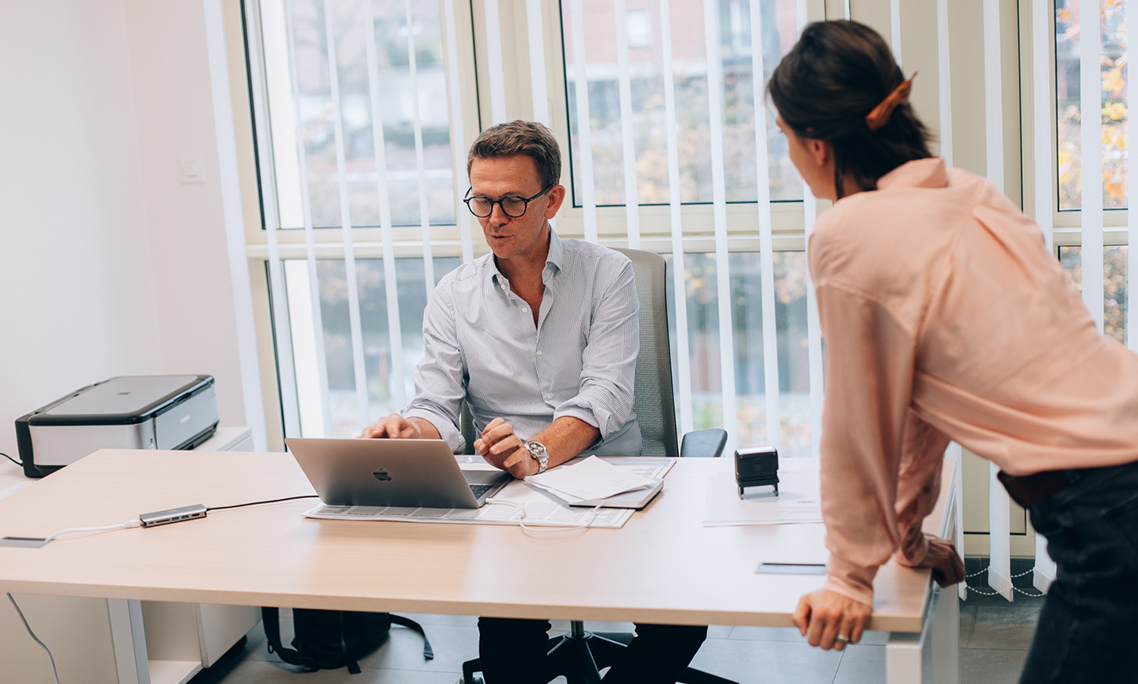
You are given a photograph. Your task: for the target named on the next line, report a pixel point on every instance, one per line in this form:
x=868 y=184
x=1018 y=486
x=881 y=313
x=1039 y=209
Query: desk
x=662 y=567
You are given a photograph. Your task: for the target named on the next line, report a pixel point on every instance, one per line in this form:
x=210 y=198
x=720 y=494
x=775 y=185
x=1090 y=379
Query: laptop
x=402 y=473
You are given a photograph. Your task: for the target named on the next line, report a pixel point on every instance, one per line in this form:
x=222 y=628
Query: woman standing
x=946 y=318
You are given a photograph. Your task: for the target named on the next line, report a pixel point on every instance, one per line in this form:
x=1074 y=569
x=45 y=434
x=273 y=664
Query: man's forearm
x=427 y=429
x=566 y=438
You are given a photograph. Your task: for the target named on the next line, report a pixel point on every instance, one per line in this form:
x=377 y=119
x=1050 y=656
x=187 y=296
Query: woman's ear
x=819 y=150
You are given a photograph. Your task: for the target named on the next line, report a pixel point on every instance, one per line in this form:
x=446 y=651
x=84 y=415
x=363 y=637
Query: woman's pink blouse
x=945 y=317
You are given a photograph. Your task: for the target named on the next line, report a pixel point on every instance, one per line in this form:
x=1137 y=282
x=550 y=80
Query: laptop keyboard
x=479 y=489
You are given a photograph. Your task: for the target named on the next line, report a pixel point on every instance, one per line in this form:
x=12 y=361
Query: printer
x=127 y=412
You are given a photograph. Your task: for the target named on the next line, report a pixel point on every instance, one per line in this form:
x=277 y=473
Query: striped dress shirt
x=481 y=345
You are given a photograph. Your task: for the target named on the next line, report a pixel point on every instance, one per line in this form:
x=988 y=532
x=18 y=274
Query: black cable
x=257 y=503
x=11 y=459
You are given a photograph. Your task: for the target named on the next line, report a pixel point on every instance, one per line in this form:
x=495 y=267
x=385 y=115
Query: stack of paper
x=589 y=480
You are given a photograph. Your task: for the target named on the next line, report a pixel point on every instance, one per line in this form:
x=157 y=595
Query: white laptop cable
x=548 y=532
x=121 y=526
x=54 y=672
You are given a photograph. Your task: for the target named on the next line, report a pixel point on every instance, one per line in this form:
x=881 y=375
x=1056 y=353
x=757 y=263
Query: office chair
x=580 y=655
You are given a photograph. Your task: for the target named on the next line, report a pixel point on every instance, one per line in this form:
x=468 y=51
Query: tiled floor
x=994 y=636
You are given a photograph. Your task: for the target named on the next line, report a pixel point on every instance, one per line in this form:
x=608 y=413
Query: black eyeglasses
x=514 y=207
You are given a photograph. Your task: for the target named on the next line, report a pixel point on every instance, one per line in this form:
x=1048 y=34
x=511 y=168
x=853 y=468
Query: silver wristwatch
x=539 y=453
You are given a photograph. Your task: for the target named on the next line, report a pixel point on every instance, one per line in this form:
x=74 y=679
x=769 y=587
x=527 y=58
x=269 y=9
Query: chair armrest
x=704 y=443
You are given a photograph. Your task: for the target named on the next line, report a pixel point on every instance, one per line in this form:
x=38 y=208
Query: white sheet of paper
x=589 y=479
x=798 y=501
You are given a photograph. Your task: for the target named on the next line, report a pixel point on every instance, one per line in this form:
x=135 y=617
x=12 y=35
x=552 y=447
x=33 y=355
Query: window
x=1092 y=233
x=407 y=77
x=364 y=111
x=1112 y=21
x=1114 y=285
x=688 y=64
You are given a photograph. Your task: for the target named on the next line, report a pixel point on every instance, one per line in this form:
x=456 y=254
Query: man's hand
x=824 y=615
x=503 y=449
x=945 y=562
x=394 y=426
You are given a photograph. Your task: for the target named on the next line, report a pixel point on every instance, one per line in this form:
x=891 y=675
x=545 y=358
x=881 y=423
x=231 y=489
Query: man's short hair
x=528 y=138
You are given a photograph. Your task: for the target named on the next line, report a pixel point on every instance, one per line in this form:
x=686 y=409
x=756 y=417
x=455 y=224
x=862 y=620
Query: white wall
x=186 y=224
x=108 y=264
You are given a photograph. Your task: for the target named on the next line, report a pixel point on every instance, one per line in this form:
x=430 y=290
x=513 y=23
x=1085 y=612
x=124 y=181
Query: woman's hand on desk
x=823 y=615
x=945 y=562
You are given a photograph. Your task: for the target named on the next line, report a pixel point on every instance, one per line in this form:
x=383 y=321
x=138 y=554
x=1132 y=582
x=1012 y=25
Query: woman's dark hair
x=826 y=85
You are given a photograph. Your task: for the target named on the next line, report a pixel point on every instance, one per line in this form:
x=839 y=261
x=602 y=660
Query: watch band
x=539 y=453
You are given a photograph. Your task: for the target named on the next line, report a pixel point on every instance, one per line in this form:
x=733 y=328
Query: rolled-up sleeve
x=609 y=358
x=440 y=376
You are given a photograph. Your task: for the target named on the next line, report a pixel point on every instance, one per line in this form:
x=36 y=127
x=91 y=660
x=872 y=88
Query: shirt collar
x=919 y=173
x=555 y=259
x=556 y=255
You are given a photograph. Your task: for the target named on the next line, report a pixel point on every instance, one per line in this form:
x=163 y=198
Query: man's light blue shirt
x=482 y=346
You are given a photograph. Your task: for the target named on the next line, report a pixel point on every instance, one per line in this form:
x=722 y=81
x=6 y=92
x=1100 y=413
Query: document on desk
x=798 y=500
x=589 y=480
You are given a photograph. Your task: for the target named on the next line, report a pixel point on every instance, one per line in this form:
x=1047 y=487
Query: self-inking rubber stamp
x=756 y=468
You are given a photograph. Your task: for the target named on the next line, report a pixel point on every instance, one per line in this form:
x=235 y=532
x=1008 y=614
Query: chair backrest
x=653 y=401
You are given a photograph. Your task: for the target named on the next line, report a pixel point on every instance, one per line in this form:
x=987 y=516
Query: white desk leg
x=129 y=640
x=904 y=654
x=946 y=637
x=903 y=658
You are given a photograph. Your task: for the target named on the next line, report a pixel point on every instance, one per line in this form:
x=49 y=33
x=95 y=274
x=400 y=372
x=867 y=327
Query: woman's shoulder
x=890 y=240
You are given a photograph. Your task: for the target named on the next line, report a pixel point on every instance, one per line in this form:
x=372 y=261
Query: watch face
x=536 y=448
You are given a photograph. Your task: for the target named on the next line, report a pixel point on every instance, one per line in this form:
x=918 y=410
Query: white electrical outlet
x=190 y=170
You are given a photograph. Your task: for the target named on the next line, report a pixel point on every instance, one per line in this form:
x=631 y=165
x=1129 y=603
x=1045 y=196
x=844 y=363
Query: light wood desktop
x=664 y=566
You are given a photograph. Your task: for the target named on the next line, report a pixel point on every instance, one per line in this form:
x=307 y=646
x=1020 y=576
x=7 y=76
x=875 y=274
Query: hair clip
x=881 y=113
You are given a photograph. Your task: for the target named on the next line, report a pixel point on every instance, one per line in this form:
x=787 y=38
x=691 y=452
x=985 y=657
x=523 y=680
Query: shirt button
x=525 y=310
x=539 y=352
x=549 y=396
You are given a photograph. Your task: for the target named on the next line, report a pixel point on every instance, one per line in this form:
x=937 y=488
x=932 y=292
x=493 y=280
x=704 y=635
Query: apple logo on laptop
x=382 y=476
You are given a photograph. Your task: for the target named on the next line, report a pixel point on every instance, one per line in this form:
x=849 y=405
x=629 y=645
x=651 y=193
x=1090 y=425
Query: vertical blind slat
x=383 y=196
x=1090 y=153
x=944 y=95
x=631 y=201
x=584 y=124
x=1041 y=119
x=360 y=370
x=289 y=396
x=944 y=81
x=719 y=212
x=1131 y=195
x=766 y=237
x=813 y=333
x=813 y=327
x=538 y=86
x=683 y=363
x=895 y=29
x=494 y=62
x=417 y=130
x=954 y=451
x=457 y=135
x=999 y=571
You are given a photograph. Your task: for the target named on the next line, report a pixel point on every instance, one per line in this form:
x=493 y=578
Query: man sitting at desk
x=540 y=338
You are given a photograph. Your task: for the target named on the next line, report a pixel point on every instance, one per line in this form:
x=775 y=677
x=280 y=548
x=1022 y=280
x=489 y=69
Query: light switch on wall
x=191 y=171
